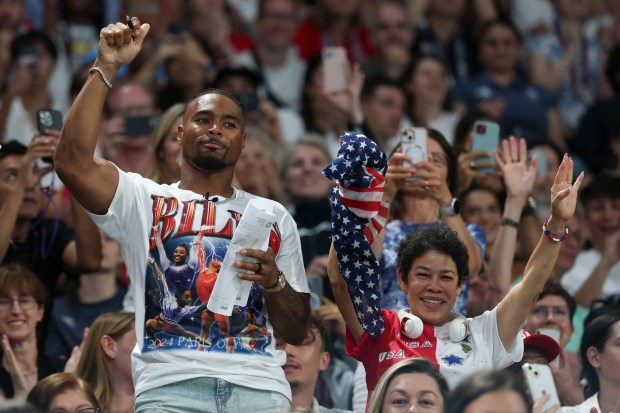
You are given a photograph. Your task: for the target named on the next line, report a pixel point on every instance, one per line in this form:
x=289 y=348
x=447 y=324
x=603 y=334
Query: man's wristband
x=510 y=222
x=103 y=76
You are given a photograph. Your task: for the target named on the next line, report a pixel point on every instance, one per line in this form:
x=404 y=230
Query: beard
x=209 y=163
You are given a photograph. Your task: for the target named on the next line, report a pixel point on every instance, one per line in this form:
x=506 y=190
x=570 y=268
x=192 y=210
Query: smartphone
x=140 y=125
x=554 y=333
x=414 y=143
x=334 y=69
x=48 y=119
x=541 y=168
x=540 y=382
x=486 y=138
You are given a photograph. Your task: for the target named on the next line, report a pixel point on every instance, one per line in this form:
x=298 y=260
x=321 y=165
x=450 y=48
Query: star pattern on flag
x=357 y=217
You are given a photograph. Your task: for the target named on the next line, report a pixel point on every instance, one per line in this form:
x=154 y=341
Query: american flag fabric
x=358 y=215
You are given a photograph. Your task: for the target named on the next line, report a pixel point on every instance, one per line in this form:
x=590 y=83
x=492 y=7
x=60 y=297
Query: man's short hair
x=216 y=91
x=555 y=288
x=373 y=83
x=12 y=148
x=601 y=186
x=317 y=325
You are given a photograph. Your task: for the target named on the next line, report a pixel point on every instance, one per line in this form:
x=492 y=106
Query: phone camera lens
x=481 y=129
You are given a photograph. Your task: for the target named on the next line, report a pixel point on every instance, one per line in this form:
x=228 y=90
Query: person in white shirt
x=185 y=375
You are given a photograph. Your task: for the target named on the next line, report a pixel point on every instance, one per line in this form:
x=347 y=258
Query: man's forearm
x=77 y=144
x=289 y=313
x=87 y=239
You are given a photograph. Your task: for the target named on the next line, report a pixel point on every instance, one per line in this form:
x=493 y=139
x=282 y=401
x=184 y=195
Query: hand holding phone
x=540 y=382
x=48 y=119
x=486 y=138
x=414 y=144
x=335 y=69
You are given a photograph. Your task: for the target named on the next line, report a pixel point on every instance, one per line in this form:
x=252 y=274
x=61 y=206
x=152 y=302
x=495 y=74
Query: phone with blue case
x=486 y=138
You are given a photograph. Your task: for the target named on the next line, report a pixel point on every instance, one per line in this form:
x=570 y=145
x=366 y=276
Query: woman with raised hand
x=432 y=266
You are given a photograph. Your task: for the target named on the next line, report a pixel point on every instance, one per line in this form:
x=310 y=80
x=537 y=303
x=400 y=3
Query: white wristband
x=103 y=76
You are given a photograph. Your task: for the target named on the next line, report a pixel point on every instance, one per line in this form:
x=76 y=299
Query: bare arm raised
x=515 y=307
x=93 y=181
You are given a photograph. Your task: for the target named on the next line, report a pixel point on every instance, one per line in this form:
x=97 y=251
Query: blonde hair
x=160 y=172
x=411 y=365
x=95 y=367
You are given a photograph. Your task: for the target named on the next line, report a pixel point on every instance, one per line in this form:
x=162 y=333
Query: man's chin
x=209 y=164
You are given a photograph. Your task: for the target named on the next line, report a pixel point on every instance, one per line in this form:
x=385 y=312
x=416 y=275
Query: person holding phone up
x=33 y=60
x=422 y=194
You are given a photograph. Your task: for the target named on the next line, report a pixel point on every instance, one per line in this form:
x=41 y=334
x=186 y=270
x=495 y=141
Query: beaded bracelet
x=553 y=236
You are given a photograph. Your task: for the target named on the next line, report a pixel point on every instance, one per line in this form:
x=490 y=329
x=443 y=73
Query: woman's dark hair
x=486 y=26
x=596 y=333
x=30 y=39
x=433 y=237
x=179 y=290
x=481 y=383
x=306 y=100
x=500 y=197
x=396 y=206
x=612 y=69
x=465 y=125
x=411 y=68
x=44 y=391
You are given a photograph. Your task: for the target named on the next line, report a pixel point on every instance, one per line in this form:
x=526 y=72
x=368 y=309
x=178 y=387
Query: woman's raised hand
x=512 y=161
x=563 y=191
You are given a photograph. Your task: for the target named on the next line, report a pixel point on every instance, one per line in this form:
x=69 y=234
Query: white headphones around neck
x=412 y=326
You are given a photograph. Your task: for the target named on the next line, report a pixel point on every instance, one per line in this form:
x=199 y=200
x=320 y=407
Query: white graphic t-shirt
x=173 y=242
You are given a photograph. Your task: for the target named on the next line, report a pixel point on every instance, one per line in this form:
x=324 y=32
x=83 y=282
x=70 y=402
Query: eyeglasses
x=26 y=302
x=84 y=410
x=439 y=159
x=542 y=311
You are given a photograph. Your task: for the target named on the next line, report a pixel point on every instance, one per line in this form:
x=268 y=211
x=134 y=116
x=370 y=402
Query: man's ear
x=324 y=360
x=180 y=134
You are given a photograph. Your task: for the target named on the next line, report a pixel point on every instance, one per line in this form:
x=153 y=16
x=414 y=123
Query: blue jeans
x=209 y=395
